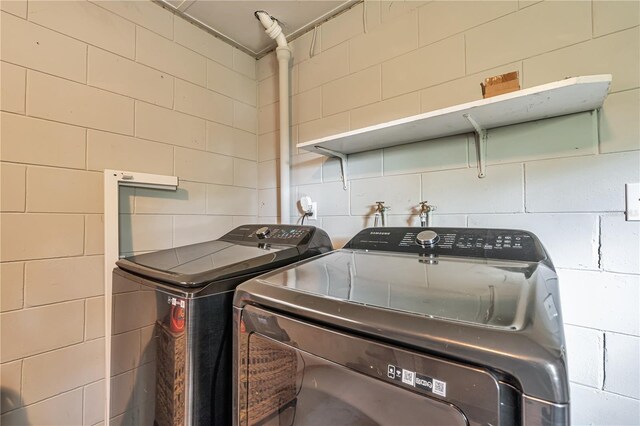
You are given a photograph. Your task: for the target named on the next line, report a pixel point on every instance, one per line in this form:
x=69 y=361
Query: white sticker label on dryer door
x=391 y=371
x=439 y=387
x=408 y=377
x=417 y=380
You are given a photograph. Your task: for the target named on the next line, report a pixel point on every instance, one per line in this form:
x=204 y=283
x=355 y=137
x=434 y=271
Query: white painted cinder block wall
x=559 y=178
x=87 y=86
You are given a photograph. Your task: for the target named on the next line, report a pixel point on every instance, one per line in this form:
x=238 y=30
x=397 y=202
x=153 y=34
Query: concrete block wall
x=561 y=178
x=87 y=86
x=126 y=85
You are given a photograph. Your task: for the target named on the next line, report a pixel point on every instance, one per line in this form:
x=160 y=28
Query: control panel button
x=427 y=238
x=263 y=232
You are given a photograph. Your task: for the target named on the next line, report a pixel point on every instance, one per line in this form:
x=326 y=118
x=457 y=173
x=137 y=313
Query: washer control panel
x=270 y=234
x=468 y=242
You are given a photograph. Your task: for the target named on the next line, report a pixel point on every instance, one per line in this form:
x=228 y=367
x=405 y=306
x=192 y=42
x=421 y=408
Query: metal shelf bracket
x=481 y=136
x=343 y=162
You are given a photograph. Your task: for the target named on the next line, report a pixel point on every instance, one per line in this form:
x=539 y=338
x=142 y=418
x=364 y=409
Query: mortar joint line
x=604 y=360
x=599 y=235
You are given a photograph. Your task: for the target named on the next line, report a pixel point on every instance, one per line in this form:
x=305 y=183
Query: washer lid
x=199 y=264
x=241 y=252
x=476 y=291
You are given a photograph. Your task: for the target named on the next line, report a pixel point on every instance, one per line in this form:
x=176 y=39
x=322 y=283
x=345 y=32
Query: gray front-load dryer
x=405 y=326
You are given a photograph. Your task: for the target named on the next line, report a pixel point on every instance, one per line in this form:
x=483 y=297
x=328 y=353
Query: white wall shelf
x=572 y=95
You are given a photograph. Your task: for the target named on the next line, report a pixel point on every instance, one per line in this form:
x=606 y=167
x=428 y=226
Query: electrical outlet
x=633 y=201
x=314 y=211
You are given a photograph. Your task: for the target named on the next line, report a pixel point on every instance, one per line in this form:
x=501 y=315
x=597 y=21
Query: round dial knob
x=263 y=232
x=427 y=238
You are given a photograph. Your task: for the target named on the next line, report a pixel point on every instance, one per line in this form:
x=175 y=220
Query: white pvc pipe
x=283 y=53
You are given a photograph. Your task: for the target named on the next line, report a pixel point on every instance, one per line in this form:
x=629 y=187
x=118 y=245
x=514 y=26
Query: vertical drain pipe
x=283 y=53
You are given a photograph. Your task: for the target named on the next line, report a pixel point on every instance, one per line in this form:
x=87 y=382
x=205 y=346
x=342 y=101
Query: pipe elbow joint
x=271 y=27
x=273 y=30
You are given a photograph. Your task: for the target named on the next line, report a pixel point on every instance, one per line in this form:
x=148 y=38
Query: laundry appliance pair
x=401 y=326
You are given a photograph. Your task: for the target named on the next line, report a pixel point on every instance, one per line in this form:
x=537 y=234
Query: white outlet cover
x=314 y=211
x=306 y=204
x=633 y=201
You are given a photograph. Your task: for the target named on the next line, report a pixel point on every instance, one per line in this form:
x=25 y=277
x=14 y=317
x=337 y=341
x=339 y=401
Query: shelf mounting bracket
x=343 y=162
x=481 y=145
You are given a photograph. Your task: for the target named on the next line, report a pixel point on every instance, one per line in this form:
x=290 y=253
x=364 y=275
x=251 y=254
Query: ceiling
x=235 y=22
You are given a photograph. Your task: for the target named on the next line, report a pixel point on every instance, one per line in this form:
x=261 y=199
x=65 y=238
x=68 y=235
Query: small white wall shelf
x=572 y=95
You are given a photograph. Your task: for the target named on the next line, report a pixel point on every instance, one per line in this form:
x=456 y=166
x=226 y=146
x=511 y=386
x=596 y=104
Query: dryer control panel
x=508 y=244
x=291 y=235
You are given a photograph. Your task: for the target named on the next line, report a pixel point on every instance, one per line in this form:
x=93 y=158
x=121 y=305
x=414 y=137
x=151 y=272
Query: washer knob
x=263 y=232
x=427 y=238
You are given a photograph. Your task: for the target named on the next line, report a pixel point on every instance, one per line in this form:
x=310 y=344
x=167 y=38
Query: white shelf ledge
x=563 y=97
x=572 y=95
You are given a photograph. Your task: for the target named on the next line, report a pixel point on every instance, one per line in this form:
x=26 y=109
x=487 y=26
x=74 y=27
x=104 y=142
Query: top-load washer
x=171 y=344
x=405 y=326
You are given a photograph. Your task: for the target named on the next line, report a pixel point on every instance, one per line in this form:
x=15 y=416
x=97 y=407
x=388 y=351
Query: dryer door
x=298 y=388
x=293 y=373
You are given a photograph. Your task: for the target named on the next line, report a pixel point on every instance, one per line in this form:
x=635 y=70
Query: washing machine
x=171 y=343
x=405 y=326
